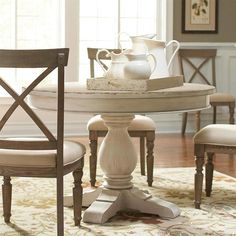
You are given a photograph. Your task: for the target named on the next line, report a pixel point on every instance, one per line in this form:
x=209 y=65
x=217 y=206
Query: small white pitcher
x=138 y=67
x=116 y=69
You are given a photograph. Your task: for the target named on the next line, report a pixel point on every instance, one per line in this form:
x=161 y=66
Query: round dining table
x=117 y=155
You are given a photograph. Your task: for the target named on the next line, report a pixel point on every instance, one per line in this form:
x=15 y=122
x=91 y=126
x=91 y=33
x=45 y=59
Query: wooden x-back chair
x=50 y=156
x=187 y=57
x=142 y=127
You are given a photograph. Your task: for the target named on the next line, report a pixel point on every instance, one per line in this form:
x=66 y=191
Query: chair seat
x=73 y=151
x=139 y=123
x=216 y=134
x=221 y=97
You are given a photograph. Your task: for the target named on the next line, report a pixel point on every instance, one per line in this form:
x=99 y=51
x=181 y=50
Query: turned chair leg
x=198 y=120
x=150 y=137
x=214 y=114
x=93 y=138
x=142 y=155
x=231 y=112
x=77 y=195
x=184 y=122
x=209 y=168
x=6 y=198
x=198 y=178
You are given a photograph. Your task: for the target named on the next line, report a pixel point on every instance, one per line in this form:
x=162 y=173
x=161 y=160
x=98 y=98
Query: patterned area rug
x=33 y=208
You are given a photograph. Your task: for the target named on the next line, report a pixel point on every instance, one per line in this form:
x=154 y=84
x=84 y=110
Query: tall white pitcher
x=158 y=49
x=137 y=45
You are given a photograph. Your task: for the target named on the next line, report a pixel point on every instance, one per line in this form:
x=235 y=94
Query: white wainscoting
x=225 y=80
x=75 y=124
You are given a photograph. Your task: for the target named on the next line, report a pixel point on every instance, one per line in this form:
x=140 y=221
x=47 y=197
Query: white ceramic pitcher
x=116 y=68
x=158 y=49
x=137 y=44
x=138 y=67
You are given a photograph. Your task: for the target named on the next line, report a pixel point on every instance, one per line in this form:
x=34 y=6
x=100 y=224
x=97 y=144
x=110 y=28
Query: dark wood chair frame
x=149 y=135
x=199 y=152
x=206 y=55
x=49 y=59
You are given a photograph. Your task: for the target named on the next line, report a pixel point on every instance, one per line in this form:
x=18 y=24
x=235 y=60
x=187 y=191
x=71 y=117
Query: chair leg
x=231 y=118
x=198 y=120
x=142 y=155
x=6 y=198
x=60 y=206
x=198 y=179
x=231 y=112
x=93 y=156
x=214 y=114
x=209 y=173
x=150 y=137
x=77 y=195
x=184 y=122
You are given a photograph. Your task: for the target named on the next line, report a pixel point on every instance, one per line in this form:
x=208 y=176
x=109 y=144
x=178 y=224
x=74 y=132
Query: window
x=27 y=24
x=76 y=24
x=102 y=20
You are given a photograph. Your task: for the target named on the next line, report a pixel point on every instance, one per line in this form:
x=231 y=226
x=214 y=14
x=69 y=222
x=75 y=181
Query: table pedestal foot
x=109 y=202
x=106 y=205
x=144 y=202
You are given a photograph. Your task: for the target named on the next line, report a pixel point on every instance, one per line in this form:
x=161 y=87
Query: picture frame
x=200 y=16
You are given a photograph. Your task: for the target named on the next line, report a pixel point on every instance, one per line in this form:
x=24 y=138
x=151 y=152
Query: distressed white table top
x=78 y=98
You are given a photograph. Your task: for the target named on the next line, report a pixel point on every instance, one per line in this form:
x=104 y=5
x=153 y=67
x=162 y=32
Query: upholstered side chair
x=142 y=127
x=197 y=61
x=214 y=138
x=49 y=156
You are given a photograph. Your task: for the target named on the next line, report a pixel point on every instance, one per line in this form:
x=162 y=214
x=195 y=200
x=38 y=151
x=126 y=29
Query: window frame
x=68 y=28
x=164 y=17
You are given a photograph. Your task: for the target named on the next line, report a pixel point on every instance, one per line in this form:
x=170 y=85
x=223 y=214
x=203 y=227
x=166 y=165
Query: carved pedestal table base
x=117 y=155
x=118 y=159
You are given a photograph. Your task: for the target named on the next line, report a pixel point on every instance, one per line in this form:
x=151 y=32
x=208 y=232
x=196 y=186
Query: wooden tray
x=134 y=85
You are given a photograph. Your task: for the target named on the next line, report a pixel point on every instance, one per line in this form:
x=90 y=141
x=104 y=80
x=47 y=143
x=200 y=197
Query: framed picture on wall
x=199 y=16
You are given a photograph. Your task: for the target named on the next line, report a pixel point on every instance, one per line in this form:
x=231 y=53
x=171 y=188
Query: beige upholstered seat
x=215 y=138
x=139 y=123
x=217 y=134
x=142 y=127
x=73 y=151
x=219 y=97
x=46 y=157
x=189 y=61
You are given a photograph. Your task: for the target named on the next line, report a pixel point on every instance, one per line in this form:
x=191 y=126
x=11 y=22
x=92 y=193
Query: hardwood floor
x=175 y=150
